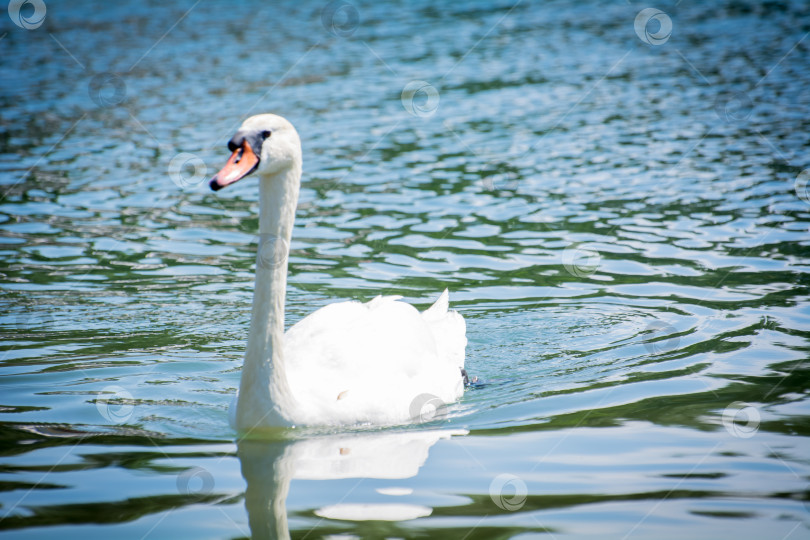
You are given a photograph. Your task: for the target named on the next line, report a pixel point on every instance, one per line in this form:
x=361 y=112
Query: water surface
x=621 y=217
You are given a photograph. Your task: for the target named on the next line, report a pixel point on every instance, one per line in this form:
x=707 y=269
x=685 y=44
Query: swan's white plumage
x=368 y=362
x=349 y=362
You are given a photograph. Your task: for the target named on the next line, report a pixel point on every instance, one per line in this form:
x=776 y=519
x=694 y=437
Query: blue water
x=620 y=211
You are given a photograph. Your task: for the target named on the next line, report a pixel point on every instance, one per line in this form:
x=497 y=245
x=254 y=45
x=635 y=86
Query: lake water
x=614 y=197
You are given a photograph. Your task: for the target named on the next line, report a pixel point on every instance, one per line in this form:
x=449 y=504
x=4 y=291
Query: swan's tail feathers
x=439 y=308
x=449 y=330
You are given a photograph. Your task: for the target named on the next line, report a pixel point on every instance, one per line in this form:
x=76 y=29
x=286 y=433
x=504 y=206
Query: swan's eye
x=266 y=134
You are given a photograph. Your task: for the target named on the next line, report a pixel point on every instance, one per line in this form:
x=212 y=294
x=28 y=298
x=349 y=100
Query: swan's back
x=374 y=362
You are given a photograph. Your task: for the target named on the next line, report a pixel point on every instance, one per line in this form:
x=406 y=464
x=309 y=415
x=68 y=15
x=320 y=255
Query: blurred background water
x=615 y=198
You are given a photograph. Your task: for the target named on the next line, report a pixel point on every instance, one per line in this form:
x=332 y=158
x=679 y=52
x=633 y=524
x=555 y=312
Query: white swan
x=379 y=362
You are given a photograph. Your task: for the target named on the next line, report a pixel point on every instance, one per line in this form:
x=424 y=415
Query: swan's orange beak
x=242 y=162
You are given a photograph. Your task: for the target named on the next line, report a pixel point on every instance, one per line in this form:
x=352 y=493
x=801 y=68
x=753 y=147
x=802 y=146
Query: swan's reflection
x=269 y=466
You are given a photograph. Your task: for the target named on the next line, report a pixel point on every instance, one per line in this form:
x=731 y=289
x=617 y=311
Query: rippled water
x=624 y=226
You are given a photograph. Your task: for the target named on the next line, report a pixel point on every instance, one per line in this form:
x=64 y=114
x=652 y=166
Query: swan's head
x=265 y=142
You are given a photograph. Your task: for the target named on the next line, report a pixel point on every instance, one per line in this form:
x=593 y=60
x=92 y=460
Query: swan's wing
x=449 y=330
x=368 y=360
x=382 y=337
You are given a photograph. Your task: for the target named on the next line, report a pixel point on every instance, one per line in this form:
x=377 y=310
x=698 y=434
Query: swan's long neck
x=265 y=398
